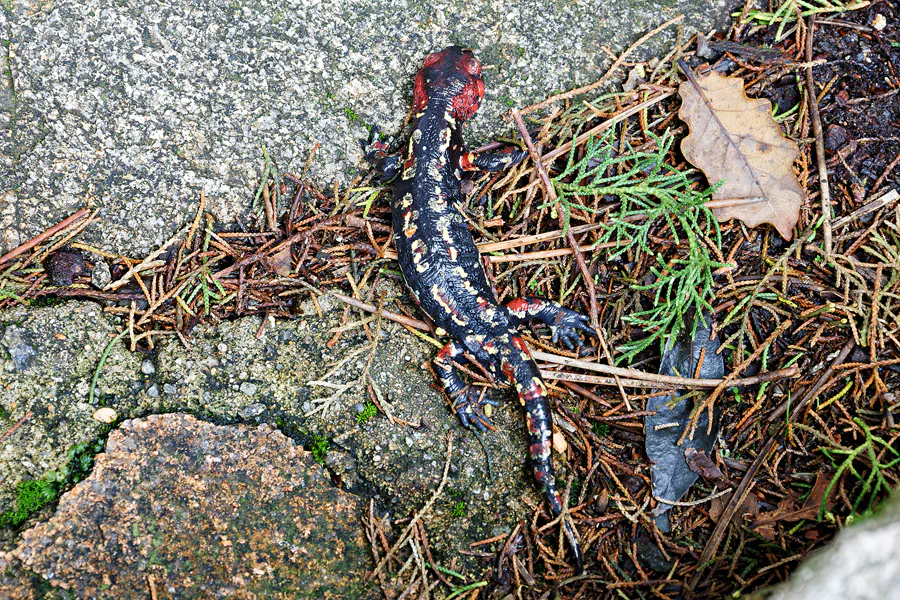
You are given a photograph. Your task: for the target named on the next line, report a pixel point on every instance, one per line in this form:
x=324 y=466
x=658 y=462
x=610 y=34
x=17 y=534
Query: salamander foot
x=375 y=151
x=469 y=404
x=566 y=326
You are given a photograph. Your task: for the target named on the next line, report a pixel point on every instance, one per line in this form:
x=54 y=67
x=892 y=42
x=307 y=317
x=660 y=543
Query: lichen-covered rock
x=190 y=509
x=48 y=357
x=277 y=374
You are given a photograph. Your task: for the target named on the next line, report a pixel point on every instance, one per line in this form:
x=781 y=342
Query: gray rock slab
x=48 y=357
x=861 y=563
x=133 y=108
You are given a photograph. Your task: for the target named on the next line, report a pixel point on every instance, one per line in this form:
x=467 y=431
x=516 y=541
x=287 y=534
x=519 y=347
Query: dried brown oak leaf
x=735 y=138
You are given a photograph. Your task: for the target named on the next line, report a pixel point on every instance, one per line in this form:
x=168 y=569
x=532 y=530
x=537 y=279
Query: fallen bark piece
x=674 y=466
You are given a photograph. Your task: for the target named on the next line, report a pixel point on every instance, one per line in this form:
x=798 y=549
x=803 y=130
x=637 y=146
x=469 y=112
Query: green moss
x=34 y=494
x=574 y=491
x=600 y=429
x=319 y=446
x=368 y=411
x=31 y=496
x=351 y=115
x=458 y=510
x=45 y=301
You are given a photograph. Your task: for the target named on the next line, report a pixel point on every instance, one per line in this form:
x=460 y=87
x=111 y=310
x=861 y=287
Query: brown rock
x=193 y=509
x=64 y=267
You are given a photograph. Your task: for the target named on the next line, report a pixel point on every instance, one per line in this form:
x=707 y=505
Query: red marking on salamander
x=443 y=354
x=518 y=305
x=519 y=344
x=420 y=96
x=466 y=104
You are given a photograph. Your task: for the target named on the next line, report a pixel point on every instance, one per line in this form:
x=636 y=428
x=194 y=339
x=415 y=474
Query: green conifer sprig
x=649 y=191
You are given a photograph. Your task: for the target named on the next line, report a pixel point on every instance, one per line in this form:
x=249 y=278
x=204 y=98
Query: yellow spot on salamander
x=437 y=203
x=467 y=285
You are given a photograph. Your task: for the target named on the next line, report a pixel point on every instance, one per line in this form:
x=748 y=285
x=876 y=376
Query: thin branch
x=49 y=233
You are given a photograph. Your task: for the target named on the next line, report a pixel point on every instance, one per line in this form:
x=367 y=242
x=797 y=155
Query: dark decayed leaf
x=787 y=510
x=701 y=464
x=670 y=473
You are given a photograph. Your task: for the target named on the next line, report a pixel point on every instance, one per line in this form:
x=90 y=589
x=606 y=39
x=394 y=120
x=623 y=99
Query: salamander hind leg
x=468 y=402
x=564 y=324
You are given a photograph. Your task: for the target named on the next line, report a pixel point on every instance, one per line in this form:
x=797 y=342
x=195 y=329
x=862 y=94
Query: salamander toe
x=568 y=327
x=471 y=405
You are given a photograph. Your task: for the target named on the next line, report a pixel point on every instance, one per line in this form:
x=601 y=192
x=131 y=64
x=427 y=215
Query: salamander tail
x=539 y=423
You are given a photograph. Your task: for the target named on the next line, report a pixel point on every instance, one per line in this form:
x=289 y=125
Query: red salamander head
x=453 y=74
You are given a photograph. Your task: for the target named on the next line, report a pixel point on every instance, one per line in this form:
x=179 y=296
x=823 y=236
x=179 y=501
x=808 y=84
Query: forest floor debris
x=611 y=219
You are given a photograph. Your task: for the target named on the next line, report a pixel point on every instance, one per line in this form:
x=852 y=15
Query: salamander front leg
x=491 y=161
x=564 y=324
x=375 y=151
x=468 y=402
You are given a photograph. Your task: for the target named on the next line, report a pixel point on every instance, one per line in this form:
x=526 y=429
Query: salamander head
x=452 y=74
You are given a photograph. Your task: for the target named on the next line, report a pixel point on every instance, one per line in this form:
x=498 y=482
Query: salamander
x=441 y=264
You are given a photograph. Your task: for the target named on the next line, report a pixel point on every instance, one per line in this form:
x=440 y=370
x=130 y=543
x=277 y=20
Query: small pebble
x=879 y=22
x=358 y=408
x=253 y=410
x=249 y=388
x=153 y=391
x=147 y=367
x=170 y=389
x=100 y=275
x=105 y=415
x=836 y=137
